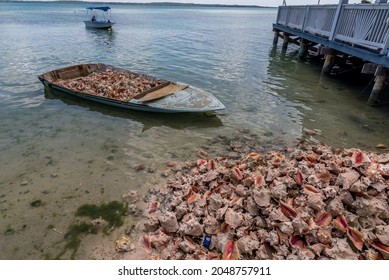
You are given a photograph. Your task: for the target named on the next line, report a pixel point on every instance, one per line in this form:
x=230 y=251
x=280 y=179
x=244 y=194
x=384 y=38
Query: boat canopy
x=103 y=8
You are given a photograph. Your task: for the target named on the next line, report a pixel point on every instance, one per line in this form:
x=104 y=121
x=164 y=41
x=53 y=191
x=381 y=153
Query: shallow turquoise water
x=68 y=152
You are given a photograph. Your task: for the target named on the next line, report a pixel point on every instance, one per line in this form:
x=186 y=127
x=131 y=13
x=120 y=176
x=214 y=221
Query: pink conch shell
x=231 y=251
x=288 y=211
x=211 y=165
x=310 y=189
x=374 y=255
x=356 y=237
x=378 y=245
x=341 y=223
x=323 y=219
x=213 y=256
x=233 y=219
x=237 y=173
x=187 y=245
x=358 y=157
x=168 y=221
x=254 y=156
x=296 y=242
x=202 y=154
x=201 y=162
x=311 y=158
x=298 y=178
x=146 y=240
x=153 y=207
x=258 y=181
x=192 y=196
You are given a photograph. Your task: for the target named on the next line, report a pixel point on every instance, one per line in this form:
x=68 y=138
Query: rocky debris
x=131 y=197
x=124 y=244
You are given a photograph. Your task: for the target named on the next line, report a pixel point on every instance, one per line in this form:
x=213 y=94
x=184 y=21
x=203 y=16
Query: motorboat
x=99 y=17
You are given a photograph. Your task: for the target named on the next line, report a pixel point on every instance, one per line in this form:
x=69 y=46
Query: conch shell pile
x=308 y=202
x=111 y=84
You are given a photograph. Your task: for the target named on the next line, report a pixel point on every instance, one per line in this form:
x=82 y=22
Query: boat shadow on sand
x=148 y=119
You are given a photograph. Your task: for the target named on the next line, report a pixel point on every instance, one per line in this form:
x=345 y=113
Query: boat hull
x=188 y=100
x=98 y=24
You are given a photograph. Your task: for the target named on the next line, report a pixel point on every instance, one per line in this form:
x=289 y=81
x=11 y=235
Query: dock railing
x=359 y=25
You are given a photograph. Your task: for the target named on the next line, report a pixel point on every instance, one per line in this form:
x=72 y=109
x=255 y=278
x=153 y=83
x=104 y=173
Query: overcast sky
x=238 y=2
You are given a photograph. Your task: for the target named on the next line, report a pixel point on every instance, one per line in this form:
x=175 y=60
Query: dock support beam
x=379 y=81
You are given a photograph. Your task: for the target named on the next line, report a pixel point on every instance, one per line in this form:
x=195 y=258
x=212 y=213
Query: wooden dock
x=340 y=31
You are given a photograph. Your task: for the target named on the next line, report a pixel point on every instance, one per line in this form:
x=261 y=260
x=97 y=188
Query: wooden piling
x=276 y=35
x=303 y=48
x=329 y=59
x=379 y=80
x=286 y=41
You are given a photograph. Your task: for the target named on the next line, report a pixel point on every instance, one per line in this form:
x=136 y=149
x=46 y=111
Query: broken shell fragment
x=231 y=251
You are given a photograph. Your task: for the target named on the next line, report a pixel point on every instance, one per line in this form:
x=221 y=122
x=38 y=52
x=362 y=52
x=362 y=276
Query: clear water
x=66 y=152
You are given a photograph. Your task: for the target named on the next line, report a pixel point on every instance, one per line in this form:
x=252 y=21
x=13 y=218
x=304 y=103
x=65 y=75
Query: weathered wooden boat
x=126 y=89
x=101 y=20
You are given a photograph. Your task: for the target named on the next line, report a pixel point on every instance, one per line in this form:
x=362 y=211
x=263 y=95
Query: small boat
x=122 y=88
x=99 y=17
